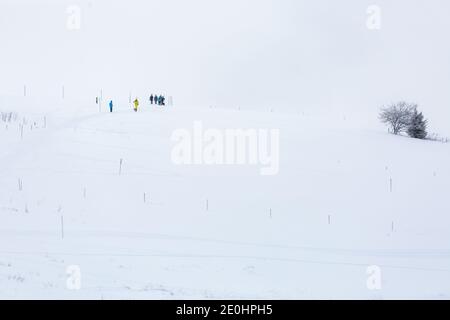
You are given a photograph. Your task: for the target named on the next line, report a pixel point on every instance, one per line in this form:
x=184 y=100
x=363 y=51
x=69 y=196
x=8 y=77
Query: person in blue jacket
x=111 y=106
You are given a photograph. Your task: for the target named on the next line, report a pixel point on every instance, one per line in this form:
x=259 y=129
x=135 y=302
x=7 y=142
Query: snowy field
x=349 y=200
x=94 y=205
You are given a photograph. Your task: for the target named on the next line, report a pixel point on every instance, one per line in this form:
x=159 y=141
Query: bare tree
x=398 y=116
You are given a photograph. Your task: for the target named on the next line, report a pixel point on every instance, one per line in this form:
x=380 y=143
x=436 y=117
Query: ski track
x=410 y=253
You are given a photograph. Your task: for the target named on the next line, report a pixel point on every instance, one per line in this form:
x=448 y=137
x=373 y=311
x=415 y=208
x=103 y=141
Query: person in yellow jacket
x=136 y=105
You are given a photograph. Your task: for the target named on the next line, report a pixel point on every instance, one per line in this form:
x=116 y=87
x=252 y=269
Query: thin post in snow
x=62 y=227
x=145 y=198
x=329 y=219
x=20 y=184
x=270 y=213
x=207 y=205
x=393 y=226
x=45 y=122
x=120 y=166
x=21 y=131
x=100 y=101
x=84 y=193
x=390 y=185
x=63 y=93
x=24 y=90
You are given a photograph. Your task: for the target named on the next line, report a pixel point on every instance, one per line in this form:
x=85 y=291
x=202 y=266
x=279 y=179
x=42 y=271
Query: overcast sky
x=281 y=53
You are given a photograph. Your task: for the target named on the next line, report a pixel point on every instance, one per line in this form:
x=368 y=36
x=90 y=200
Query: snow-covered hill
x=350 y=203
x=93 y=204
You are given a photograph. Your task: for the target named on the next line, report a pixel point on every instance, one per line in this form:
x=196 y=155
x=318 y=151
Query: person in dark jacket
x=111 y=106
x=151 y=99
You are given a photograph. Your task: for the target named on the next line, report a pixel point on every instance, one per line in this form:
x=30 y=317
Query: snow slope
x=311 y=231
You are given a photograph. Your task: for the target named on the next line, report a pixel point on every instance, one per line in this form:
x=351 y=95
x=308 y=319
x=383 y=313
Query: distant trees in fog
x=405 y=117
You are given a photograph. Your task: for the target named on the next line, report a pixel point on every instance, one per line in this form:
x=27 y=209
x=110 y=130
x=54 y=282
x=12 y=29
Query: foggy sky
x=260 y=53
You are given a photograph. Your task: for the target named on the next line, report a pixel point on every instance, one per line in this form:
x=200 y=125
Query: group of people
x=154 y=99
x=158 y=100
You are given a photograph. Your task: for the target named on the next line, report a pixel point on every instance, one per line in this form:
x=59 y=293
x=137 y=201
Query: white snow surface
x=171 y=247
